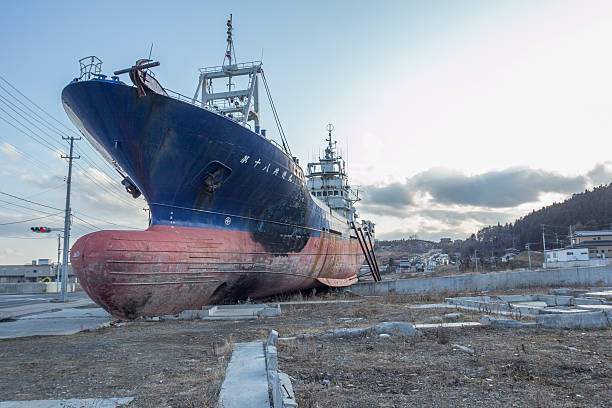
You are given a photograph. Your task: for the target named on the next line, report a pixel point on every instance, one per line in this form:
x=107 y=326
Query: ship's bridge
x=327 y=180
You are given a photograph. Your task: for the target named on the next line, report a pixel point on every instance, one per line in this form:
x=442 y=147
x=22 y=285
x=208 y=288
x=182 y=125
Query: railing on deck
x=218 y=68
x=184 y=98
x=90 y=66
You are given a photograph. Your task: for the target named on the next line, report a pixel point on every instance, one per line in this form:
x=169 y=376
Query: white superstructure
x=327 y=180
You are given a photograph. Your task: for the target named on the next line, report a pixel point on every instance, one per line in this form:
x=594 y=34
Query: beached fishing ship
x=232 y=215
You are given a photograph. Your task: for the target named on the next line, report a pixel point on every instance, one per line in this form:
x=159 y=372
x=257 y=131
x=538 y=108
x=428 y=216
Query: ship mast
x=229 y=52
x=241 y=105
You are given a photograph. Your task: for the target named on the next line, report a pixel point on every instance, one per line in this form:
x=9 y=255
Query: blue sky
x=445 y=106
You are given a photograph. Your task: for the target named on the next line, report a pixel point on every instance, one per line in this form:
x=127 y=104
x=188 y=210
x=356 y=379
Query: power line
x=33 y=112
x=31 y=116
x=82 y=220
x=58 y=209
x=23 y=206
x=45 y=123
x=17 y=110
x=40 y=164
x=13 y=237
x=34 y=103
x=29 y=201
x=106 y=188
x=31 y=219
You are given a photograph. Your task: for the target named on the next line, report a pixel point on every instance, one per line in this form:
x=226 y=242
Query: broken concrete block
x=451 y=316
x=463 y=348
x=287 y=391
x=272 y=338
x=348 y=332
x=271 y=358
x=399 y=328
x=269 y=311
x=487 y=320
x=586 y=320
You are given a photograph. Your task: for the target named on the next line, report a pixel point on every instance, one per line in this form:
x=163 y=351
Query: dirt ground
x=182 y=364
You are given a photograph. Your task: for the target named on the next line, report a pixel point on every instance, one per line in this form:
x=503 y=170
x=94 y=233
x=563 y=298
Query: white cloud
x=9 y=151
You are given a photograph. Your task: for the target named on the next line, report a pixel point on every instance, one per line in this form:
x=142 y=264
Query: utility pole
x=476 y=261
x=544 y=245
x=528 y=254
x=67 y=218
x=571 y=237
x=57 y=280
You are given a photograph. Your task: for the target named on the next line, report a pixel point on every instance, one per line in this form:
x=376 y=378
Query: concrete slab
x=504 y=323
x=69 y=403
x=14 y=312
x=449 y=325
x=246 y=378
x=606 y=294
x=64 y=322
x=587 y=320
x=595 y=307
x=535 y=304
x=314 y=302
x=230 y=312
x=72 y=312
x=589 y=301
x=432 y=306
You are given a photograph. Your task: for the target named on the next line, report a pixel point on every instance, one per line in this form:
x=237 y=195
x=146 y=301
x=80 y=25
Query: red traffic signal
x=40 y=229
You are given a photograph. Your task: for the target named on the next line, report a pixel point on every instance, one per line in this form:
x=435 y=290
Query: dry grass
x=182 y=364
x=510 y=368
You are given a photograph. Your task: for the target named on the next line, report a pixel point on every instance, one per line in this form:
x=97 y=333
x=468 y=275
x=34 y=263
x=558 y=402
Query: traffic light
x=40 y=229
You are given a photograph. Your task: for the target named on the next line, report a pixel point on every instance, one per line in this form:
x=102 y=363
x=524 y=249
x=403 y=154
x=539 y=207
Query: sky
x=453 y=115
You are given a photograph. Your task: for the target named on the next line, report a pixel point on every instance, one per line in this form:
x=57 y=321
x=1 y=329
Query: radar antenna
x=329 y=150
x=329 y=128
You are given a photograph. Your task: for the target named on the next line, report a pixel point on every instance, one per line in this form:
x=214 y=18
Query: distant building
x=35 y=272
x=442 y=259
x=598 y=243
x=567 y=255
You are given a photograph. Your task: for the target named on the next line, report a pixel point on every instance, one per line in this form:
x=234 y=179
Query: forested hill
x=583 y=211
x=589 y=210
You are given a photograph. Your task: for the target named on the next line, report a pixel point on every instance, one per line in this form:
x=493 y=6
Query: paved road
x=11 y=301
x=14 y=306
x=43 y=315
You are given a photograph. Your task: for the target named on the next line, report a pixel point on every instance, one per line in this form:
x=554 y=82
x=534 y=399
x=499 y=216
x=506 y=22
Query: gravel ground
x=182 y=364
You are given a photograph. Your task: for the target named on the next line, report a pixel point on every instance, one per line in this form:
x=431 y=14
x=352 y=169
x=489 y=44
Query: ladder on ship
x=368 y=250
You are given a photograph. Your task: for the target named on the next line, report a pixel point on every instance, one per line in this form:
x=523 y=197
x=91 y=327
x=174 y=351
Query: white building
x=567 y=255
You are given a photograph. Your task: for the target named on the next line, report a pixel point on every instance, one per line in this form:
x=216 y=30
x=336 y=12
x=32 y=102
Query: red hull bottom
x=165 y=270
